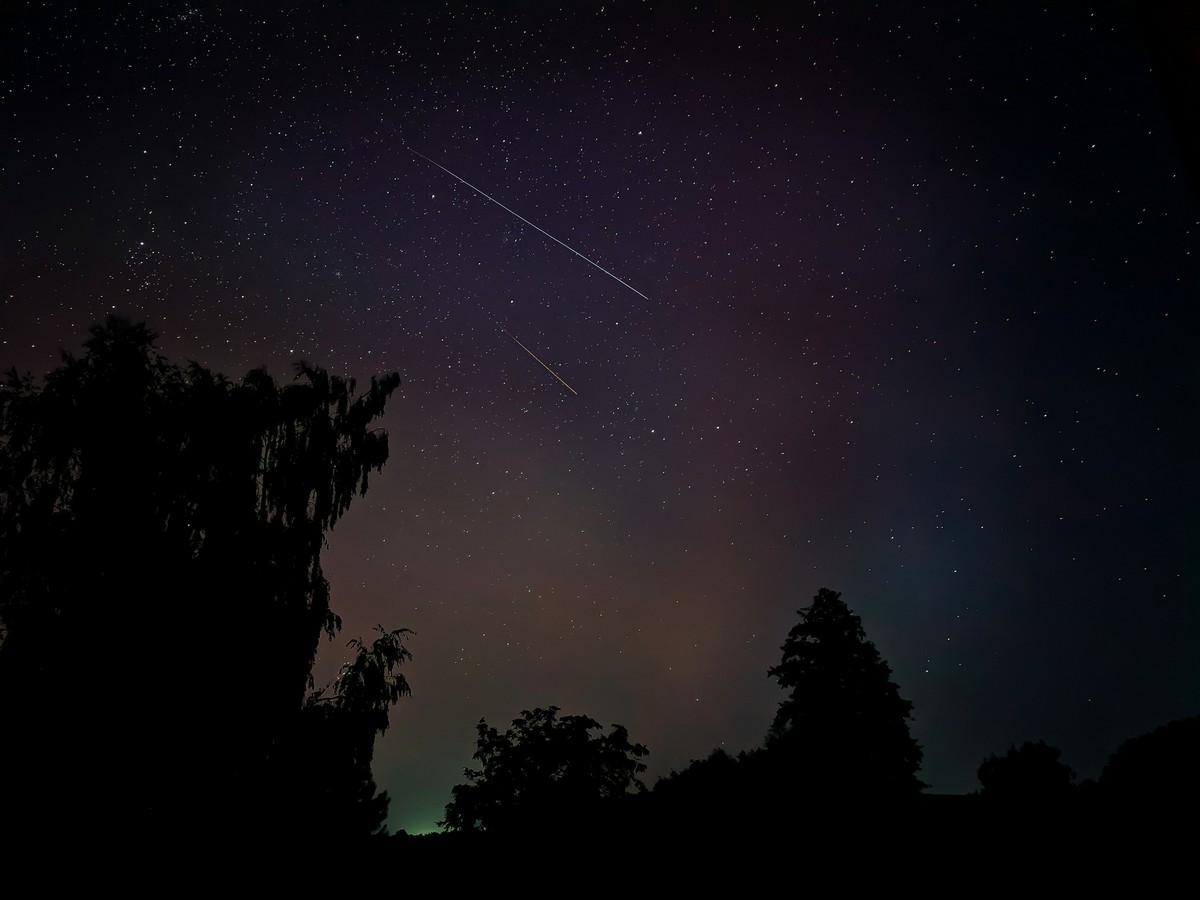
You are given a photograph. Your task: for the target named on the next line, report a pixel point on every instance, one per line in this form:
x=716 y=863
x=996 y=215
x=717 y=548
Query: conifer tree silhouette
x=843 y=728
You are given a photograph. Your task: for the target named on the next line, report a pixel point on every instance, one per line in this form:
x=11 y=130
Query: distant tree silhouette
x=719 y=788
x=700 y=776
x=1031 y=772
x=161 y=590
x=1159 y=768
x=843 y=728
x=544 y=773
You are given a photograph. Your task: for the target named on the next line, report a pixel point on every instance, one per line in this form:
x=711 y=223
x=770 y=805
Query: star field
x=913 y=317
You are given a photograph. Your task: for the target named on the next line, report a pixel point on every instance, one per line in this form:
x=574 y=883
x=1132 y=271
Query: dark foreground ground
x=934 y=840
x=931 y=846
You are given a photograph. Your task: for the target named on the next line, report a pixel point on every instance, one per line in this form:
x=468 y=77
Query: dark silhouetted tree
x=1029 y=773
x=1161 y=768
x=321 y=769
x=161 y=590
x=718 y=788
x=843 y=728
x=544 y=773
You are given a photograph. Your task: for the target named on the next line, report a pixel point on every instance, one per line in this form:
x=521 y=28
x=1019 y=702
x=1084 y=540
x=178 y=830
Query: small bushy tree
x=1031 y=772
x=544 y=772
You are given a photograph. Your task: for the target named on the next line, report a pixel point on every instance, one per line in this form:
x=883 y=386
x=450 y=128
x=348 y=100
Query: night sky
x=898 y=299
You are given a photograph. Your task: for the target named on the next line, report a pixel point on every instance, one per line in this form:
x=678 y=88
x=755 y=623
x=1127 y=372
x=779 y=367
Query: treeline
x=162 y=601
x=838 y=754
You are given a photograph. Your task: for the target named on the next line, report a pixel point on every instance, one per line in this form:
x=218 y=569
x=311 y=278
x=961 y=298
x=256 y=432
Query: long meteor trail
x=530 y=224
x=543 y=365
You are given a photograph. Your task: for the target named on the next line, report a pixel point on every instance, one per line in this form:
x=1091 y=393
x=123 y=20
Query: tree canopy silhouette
x=1031 y=772
x=161 y=591
x=544 y=772
x=1158 y=768
x=321 y=766
x=843 y=728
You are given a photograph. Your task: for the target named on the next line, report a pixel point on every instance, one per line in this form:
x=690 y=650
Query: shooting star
x=530 y=224
x=543 y=365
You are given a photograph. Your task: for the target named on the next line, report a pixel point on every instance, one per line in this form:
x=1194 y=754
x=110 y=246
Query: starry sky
x=893 y=298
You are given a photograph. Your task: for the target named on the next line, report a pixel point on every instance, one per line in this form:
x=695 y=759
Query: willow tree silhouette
x=321 y=766
x=161 y=590
x=544 y=773
x=843 y=729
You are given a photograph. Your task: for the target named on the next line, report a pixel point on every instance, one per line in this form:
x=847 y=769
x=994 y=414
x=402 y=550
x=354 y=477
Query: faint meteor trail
x=535 y=356
x=530 y=224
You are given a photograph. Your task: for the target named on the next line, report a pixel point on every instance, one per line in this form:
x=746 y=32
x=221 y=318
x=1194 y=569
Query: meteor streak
x=543 y=365
x=530 y=224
